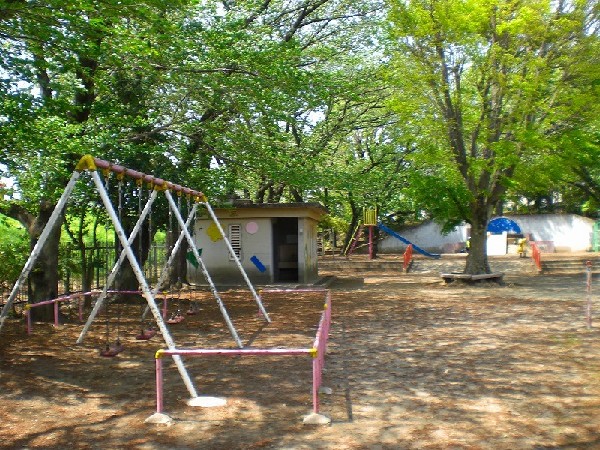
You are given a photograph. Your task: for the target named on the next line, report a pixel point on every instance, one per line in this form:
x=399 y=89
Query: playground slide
x=391 y=232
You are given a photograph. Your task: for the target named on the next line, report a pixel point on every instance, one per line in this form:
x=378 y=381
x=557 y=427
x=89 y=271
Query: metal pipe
x=238 y=352
x=136 y=175
x=159 y=386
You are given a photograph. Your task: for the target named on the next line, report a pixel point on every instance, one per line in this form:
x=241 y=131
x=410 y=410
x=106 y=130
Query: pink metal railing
x=408 y=253
x=588 y=306
x=536 y=255
x=317 y=351
x=79 y=296
x=320 y=346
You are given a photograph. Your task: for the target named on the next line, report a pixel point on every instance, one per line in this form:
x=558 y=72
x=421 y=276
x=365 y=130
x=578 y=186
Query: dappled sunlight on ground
x=412 y=363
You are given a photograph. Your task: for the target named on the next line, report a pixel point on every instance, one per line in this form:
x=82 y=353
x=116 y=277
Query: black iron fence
x=93 y=262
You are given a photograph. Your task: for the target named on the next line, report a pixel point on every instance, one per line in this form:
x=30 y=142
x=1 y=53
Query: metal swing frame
x=91 y=165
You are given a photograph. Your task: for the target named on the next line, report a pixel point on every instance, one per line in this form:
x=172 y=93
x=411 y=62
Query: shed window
x=235 y=238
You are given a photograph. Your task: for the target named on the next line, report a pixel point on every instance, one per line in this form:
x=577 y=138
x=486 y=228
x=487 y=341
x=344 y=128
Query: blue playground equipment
x=391 y=232
x=501 y=224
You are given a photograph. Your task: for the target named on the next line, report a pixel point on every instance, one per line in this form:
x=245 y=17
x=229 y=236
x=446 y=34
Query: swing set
x=91 y=166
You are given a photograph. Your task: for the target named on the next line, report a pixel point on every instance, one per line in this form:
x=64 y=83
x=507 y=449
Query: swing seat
x=112 y=350
x=146 y=335
x=178 y=318
x=192 y=312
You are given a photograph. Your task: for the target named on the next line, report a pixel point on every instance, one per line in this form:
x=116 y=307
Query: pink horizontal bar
x=65 y=298
x=45 y=302
x=295 y=290
x=235 y=352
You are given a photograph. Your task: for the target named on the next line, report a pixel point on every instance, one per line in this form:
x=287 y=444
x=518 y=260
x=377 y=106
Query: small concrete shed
x=275 y=242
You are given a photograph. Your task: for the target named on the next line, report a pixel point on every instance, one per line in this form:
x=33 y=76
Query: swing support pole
x=185 y=234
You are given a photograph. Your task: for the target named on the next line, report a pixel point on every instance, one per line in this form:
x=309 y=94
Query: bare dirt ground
x=412 y=363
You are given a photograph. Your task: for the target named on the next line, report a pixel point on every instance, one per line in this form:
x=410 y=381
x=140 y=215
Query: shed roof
x=243 y=209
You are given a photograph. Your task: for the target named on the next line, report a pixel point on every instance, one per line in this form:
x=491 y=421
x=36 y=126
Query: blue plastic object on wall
x=259 y=265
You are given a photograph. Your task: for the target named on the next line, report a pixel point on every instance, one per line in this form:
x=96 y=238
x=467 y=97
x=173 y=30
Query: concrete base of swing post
x=315 y=418
x=159 y=418
x=203 y=402
x=206 y=401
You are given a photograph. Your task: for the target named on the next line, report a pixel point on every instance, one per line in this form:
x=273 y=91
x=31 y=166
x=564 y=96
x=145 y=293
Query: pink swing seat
x=146 y=335
x=112 y=350
x=177 y=318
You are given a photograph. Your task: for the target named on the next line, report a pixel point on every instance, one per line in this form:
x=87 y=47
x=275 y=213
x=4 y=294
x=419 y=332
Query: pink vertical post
x=159 y=385
x=588 y=312
x=316 y=384
x=55 y=313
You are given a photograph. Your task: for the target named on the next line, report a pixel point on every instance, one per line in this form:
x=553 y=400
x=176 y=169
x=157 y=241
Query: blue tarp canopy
x=500 y=224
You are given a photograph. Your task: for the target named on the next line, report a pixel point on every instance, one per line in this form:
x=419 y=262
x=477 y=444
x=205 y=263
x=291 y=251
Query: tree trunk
x=43 y=279
x=477 y=261
x=351 y=227
x=87 y=273
x=126 y=279
x=296 y=195
x=178 y=269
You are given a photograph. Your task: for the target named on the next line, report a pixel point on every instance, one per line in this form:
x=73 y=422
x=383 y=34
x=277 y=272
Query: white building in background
x=554 y=233
x=275 y=243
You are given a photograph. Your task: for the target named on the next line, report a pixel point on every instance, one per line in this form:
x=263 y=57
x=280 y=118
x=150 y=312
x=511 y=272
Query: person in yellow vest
x=521 y=244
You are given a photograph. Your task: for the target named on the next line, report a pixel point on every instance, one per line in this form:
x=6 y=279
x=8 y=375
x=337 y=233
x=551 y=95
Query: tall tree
x=481 y=78
x=54 y=57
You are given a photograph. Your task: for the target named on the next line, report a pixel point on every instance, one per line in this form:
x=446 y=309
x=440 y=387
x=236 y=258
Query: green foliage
x=14 y=249
x=487 y=83
x=440 y=110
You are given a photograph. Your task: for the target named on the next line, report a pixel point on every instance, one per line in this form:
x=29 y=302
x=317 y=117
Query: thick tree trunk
x=178 y=270
x=87 y=271
x=352 y=226
x=126 y=279
x=43 y=279
x=477 y=261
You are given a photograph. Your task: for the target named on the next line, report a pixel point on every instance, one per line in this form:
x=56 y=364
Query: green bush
x=14 y=250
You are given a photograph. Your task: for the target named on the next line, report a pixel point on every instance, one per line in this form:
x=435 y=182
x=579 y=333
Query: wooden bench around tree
x=450 y=277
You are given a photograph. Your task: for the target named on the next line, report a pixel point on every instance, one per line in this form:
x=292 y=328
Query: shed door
x=285 y=249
